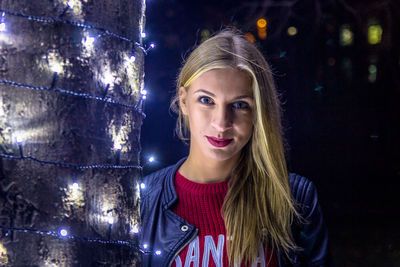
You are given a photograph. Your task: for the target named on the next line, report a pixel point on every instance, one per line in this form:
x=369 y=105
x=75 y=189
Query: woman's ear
x=183 y=100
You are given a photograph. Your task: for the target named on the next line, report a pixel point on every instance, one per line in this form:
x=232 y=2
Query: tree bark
x=96 y=203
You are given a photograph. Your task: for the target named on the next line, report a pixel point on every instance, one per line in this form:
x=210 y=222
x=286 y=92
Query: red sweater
x=200 y=205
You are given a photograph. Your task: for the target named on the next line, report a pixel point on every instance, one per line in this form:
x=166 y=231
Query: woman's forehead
x=223 y=81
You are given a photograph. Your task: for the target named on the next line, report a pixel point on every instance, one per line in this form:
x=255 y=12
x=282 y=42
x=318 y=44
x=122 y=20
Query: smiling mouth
x=219 y=142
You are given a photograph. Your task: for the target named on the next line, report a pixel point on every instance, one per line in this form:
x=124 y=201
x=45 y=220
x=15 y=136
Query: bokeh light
x=292 y=31
x=346 y=35
x=374 y=34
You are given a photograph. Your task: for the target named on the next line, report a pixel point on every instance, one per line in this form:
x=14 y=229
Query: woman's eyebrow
x=208 y=92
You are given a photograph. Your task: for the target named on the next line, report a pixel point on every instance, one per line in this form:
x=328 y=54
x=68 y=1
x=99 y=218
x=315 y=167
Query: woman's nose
x=222 y=119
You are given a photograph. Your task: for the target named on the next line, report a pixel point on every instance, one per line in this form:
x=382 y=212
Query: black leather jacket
x=167 y=234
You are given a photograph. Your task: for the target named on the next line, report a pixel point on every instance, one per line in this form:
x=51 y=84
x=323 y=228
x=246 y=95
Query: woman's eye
x=205 y=100
x=240 y=105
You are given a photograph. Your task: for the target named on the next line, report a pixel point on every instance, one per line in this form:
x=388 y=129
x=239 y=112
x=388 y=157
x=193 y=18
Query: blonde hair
x=258 y=207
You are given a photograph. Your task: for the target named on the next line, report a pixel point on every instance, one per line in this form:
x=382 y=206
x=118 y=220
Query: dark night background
x=340 y=120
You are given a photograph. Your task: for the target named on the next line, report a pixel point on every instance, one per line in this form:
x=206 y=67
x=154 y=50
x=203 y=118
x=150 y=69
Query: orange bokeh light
x=262 y=23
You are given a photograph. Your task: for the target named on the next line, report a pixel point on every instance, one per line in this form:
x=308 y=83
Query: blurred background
x=336 y=65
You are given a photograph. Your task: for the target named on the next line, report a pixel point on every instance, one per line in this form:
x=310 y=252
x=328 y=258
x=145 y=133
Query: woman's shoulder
x=302 y=189
x=155 y=180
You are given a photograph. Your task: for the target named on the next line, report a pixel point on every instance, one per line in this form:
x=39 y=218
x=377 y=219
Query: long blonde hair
x=258 y=208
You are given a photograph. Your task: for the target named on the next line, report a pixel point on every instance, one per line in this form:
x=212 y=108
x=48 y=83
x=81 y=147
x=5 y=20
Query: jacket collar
x=170 y=196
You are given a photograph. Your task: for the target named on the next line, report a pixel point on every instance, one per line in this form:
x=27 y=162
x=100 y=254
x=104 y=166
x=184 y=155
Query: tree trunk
x=98 y=204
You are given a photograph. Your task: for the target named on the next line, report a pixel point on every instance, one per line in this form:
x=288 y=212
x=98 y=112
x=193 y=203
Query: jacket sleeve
x=313 y=234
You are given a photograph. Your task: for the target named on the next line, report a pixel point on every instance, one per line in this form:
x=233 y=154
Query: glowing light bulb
x=110 y=219
x=145 y=246
x=158 y=252
x=117 y=145
x=142 y=185
x=75 y=186
x=135 y=229
x=108 y=78
x=71 y=3
x=144 y=97
x=152 y=45
x=63 y=232
x=151 y=159
x=56 y=67
x=132 y=58
x=19 y=139
x=88 y=41
x=2 y=24
x=143 y=34
x=144 y=92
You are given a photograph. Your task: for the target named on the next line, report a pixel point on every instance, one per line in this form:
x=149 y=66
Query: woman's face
x=219 y=105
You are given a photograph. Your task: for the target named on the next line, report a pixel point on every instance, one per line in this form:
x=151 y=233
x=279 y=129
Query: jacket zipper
x=182 y=247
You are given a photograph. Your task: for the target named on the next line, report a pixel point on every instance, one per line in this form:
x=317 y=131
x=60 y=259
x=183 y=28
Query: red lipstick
x=217 y=142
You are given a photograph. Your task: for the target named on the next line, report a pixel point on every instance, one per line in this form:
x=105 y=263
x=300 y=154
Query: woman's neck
x=207 y=171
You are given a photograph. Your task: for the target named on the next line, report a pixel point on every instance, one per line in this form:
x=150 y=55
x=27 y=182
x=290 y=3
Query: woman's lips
x=219 y=142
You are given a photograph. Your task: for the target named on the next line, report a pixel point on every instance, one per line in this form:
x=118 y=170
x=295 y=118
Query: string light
x=151 y=46
x=67 y=92
x=71 y=3
x=88 y=41
x=151 y=159
x=143 y=35
x=75 y=186
x=110 y=219
x=63 y=232
x=56 y=67
x=135 y=229
x=19 y=139
x=144 y=94
x=132 y=58
x=71 y=165
x=142 y=186
x=75 y=23
x=2 y=23
x=117 y=146
x=158 y=252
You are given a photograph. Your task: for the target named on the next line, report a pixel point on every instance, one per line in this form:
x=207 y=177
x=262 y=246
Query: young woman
x=231 y=201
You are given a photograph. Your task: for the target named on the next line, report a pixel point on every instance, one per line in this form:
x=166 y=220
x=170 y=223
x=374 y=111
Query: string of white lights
x=63 y=234
x=71 y=165
x=102 y=31
x=82 y=95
